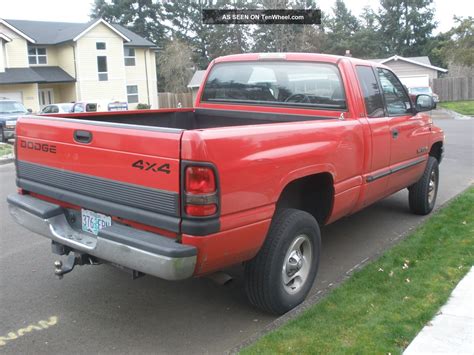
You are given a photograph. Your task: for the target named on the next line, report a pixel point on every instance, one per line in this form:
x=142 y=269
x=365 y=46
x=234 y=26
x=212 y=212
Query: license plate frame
x=93 y=222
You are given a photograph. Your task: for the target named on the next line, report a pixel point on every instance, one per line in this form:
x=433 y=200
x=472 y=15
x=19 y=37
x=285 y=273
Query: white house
x=48 y=62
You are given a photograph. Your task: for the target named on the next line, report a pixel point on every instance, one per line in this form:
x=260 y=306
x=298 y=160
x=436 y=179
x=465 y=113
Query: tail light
x=200 y=191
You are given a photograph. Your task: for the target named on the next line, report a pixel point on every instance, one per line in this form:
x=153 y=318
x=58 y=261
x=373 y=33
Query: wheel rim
x=432 y=188
x=297 y=264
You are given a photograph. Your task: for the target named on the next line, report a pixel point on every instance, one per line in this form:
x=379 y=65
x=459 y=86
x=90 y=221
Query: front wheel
x=281 y=275
x=422 y=194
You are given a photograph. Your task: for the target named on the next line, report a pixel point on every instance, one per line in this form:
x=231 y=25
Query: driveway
x=100 y=309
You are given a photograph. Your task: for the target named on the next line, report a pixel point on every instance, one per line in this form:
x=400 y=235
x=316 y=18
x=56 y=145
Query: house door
x=46 y=97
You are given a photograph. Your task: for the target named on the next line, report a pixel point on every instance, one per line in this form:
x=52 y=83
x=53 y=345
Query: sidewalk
x=452 y=330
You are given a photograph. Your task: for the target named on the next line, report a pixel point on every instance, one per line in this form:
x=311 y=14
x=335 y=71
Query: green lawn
x=5 y=149
x=462 y=107
x=381 y=308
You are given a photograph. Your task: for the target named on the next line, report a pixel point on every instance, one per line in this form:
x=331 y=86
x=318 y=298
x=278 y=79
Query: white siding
x=16 y=51
x=402 y=68
x=89 y=86
x=145 y=67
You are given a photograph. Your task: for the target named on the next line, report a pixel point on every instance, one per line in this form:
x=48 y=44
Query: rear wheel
x=281 y=275
x=422 y=195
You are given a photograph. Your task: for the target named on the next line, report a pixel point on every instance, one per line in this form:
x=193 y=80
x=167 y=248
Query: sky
x=79 y=10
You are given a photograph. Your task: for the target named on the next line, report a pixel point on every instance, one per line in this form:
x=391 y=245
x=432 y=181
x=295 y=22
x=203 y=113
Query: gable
x=100 y=28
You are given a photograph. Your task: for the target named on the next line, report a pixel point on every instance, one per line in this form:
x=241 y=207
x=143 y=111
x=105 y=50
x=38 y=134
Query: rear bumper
x=146 y=252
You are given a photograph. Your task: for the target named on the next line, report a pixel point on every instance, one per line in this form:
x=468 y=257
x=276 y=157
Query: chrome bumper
x=147 y=252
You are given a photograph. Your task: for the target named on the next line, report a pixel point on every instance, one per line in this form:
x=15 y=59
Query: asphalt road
x=100 y=309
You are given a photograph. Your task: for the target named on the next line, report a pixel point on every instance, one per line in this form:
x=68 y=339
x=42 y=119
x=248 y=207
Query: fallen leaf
x=407 y=280
x=390 y=274
x=380 y=269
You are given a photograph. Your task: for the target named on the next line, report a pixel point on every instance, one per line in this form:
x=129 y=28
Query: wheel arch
x=313 y=193
x=436 y=150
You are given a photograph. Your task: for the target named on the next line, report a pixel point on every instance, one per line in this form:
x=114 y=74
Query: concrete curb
x=318 y=296
x=4 y=161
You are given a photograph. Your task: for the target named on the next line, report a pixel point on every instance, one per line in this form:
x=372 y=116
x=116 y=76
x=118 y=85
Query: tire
x=422 y=195
x=282 y=273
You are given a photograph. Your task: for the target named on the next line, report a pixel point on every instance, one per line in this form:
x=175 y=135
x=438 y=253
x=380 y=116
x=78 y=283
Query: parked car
x=424 y=90
x=10 y=110
x=58 y=108
x=79 y=107
x=267 y=157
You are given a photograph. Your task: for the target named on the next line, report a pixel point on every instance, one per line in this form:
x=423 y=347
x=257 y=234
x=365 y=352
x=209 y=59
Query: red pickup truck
x=277 y=146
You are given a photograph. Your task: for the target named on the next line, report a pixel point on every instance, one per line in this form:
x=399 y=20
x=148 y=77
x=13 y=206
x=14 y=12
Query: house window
x=132 y=94
x=100 y=45
x=129 y=57
x=37 y=55
x=102 y=68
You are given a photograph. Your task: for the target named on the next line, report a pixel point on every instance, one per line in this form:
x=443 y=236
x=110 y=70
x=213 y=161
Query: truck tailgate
x=125 y=171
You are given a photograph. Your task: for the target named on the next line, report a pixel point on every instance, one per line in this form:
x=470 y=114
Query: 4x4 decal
x=147 y=166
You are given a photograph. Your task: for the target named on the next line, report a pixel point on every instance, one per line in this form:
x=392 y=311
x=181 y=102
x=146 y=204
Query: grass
x=381 y=308
x=462 y=107
x=5 y=149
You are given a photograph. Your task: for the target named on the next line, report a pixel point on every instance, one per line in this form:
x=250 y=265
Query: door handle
x=82 y=136
x=395 y=133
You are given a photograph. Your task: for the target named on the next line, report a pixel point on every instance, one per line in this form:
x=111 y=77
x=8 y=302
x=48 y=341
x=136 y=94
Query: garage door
x=415 y=80
x=14 y=95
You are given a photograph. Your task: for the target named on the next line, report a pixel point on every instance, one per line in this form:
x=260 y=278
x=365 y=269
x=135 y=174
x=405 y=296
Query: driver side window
x=396 y=99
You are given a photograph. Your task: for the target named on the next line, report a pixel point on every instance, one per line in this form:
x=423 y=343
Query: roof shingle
x=51 y=33
x=45 y=74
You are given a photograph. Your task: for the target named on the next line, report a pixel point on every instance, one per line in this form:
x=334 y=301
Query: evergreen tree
x=288 y=37
x=341 y=28
x=184 y=18
x=365 y=43
x=141 y=16
x=406 y=26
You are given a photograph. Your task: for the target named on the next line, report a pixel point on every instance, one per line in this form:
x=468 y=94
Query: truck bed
x=189 y=119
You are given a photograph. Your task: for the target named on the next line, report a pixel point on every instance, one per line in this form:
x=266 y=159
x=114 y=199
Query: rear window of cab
x=276 y=83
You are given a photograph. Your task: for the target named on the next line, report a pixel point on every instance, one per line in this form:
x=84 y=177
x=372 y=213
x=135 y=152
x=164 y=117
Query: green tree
x=365 y=43
x=287 y=38
x=229 y=39
x=341 y=28
x=141 y=16
x=457 y=45
x=405 y=26
x=185 y=24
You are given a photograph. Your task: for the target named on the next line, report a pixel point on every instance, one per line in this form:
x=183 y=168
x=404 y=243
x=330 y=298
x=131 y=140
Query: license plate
x=10 y=124
x=93 y=222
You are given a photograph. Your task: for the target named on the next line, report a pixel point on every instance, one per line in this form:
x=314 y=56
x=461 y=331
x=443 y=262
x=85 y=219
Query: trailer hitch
x=72 y=260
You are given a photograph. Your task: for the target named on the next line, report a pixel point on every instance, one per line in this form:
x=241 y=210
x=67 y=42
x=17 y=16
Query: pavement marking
x=42 y=324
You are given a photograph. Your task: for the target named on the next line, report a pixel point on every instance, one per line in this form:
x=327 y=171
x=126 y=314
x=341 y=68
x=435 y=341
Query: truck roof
x=292 y=56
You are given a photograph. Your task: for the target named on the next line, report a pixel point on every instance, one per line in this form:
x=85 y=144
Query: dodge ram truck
x=277 y=146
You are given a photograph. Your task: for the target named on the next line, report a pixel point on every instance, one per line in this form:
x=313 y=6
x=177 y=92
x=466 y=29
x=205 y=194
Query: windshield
x=424 y=90
x=276 y=83
x=66 y=107
x=11 y=107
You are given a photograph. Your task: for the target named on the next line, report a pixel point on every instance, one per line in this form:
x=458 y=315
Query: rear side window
x=300 y=84
x=396 y=99
x=370 y=89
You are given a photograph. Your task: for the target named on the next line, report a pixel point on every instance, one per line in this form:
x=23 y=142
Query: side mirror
x=29 y=110
x=424 y=103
